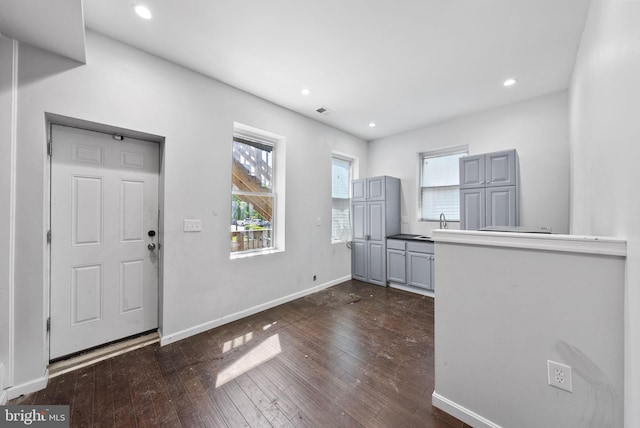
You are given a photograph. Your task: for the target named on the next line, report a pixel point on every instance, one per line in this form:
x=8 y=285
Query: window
x=252 y=194
x=440 y=184
x=340 y=199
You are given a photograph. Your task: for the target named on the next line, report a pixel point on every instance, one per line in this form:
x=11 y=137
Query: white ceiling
x=402 y=64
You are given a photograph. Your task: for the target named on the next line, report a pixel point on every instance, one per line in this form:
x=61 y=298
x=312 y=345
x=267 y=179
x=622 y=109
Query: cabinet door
x=375 y=221
x=396 y=266
x=376 y=263
x=501 y=206
x=501 y=168
x=359 y=220
x=419 y=268
x=359 y=190
x=376 y=189
x=359 y=260
x=472 y=171
x=472 y=209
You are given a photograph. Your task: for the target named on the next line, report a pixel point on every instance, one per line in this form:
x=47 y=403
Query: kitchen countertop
x=410 y=237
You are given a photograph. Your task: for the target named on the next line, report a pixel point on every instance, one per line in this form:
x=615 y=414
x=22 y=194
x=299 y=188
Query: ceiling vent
x=325 y=111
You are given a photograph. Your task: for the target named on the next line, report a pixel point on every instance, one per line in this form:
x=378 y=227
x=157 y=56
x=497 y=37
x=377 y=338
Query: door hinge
x=49 y=236
x=49 y=325
x=49 y=148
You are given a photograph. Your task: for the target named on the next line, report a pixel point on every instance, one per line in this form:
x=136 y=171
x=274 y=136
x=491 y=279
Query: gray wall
x=505 y=305
x=537 y=128
x=123 y=87
x=605 y=136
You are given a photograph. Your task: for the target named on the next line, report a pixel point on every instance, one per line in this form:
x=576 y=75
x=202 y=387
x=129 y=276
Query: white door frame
x=55 y=119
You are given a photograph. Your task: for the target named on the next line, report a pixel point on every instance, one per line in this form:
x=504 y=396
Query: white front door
x=104 y=267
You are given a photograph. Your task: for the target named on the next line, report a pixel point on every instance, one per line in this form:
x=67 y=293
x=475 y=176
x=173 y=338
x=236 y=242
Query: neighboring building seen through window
x=252 y=195
x=340 y=199
x=440 y=184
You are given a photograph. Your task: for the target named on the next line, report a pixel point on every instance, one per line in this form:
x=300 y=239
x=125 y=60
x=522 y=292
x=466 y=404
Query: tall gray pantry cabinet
x=376 y=215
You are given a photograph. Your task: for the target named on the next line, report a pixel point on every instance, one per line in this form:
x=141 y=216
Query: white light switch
x=318 y=221
x=192 y=225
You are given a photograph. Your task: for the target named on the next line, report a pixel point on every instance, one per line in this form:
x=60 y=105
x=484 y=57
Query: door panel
x=501 y=206
x=375 y=189
x=472 y=209
x=359 y=225
x=86 y=294
x=377 y=265
x=471 y=171
x=376 y=224
x=501 y=169
x=359 y=260
x=86 y=210
x=359 y=190
x=104 y=200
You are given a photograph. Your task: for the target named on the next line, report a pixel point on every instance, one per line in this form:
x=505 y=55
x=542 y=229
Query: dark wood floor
x=351 y=355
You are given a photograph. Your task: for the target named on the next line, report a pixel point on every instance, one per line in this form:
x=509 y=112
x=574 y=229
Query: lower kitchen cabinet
x=420 y=270
x=410 y=263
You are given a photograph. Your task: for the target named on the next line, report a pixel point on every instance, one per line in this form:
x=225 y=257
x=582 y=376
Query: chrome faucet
x=443 y=221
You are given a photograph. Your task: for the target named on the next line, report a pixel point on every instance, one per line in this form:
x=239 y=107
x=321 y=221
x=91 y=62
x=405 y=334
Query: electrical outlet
x=559 y=375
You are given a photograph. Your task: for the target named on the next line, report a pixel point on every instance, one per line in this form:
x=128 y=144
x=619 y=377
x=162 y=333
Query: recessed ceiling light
x=372 y=124
x=142 y=11
x=305 y=91
x=509 y=82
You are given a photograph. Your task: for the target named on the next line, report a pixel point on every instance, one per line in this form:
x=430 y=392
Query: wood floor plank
x=352 y=355
x=103 y=407
x=83 y=399
x=269 y=407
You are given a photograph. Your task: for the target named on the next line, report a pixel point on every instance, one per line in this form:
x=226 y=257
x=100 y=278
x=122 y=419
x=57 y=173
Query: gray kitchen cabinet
x=420 y=260
x=369 y=189
x=501 y=206
x=489 y=190
x=420 y=270
x=396 y=261
x=411 y=263
x=376 y=214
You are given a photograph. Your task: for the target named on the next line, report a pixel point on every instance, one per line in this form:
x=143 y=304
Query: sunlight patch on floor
x=253 y=358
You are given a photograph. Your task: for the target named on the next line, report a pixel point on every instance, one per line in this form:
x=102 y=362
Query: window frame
x=277 y=145
x=352 y=161
x=448 y=151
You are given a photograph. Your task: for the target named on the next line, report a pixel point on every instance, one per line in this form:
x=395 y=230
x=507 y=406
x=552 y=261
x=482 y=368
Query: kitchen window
x=340 y=199
x=253 y=197
x=440 y=184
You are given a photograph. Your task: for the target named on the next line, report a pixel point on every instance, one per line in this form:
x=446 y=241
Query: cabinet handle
x=367 y=237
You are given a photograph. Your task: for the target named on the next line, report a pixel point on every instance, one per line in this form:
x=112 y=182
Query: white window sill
x=247 y=254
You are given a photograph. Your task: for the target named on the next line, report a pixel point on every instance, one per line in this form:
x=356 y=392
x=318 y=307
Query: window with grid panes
x=340 y=199
x=440 y=184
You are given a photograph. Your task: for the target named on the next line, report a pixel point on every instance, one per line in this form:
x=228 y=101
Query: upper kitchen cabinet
x=369 y=189
x=376 y=214
x=489 y=190
x=489 y=170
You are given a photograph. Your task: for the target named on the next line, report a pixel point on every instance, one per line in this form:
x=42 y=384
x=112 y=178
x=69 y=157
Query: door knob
x=151 y=246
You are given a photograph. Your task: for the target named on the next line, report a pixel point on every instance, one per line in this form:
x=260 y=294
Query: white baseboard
x=410 y=289
x=191 y=331
x=461 y=413
x=28 y=387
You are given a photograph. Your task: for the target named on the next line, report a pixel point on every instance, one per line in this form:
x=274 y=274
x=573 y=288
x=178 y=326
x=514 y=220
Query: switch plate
x=559 y=375
x=192 y=225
